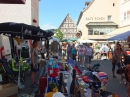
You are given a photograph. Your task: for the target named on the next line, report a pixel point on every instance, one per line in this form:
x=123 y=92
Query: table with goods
x=65 y=79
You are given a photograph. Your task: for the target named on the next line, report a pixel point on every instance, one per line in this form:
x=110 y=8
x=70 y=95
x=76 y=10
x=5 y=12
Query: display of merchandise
x=69 y=80
x=66 y=78
x=61 y=87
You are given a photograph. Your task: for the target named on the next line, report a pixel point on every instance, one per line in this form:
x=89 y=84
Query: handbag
x=121 y=69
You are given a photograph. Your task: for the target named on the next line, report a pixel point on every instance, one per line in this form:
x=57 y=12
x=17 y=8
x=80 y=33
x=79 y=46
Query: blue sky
x=53 y=12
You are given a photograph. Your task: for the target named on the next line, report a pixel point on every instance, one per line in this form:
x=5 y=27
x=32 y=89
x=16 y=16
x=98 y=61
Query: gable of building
x=68 y=27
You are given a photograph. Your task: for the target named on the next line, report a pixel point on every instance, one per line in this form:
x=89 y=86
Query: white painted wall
x=124 y=7
x=98 y=8
x=19 y=13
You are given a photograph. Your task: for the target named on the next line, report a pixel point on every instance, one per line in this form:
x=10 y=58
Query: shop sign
x=95 y=18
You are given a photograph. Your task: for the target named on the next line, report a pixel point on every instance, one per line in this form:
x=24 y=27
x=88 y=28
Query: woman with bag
x=89 y=55
x=34 y=63
x=117 y=58
x=74 y=52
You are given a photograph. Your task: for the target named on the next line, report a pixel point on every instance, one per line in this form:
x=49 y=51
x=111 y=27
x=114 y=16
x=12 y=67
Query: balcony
x=12 y=1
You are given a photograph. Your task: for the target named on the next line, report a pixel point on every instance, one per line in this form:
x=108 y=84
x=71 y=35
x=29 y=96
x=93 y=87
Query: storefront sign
x=95 y=18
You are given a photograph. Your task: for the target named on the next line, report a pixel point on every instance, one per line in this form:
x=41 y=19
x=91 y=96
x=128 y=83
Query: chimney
x=87 y=3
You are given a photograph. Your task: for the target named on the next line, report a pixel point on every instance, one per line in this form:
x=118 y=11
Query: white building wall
x=35 y=11
x=124 y=8
x=98 y=9
x=19 y=13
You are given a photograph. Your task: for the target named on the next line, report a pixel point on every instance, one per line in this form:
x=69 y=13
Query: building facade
x=68 y=28
x=98 y=18
x=124 y=13
x=20 y=13
x=124 y=19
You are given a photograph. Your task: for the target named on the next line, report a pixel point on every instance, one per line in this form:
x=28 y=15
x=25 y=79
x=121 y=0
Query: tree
x=59 y=35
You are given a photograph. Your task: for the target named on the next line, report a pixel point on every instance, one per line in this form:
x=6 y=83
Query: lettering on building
x=95 y=18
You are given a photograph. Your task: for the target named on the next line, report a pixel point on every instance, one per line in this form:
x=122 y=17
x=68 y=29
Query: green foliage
x=52 y=30
x=59 y=35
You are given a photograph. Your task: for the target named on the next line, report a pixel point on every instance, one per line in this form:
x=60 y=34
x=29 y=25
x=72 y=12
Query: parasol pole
x=19 y=84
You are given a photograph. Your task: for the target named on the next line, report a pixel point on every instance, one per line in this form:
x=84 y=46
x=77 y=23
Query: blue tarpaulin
x=122 y=36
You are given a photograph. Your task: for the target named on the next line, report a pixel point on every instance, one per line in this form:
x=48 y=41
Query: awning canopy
x=86 y=41
x=101 y=24
x=13 y=1
x=122 y=36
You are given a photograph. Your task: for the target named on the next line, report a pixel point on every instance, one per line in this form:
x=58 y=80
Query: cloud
x=48 y=26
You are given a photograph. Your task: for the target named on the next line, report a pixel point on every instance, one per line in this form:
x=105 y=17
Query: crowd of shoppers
x=83 y=53
x=78 y=52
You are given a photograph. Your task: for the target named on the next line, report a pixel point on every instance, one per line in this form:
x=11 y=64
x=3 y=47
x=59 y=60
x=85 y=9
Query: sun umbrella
x=64 y=40
x=86 y=41
x=73 y=39
x=49 y=34
x=69 y=41
x=22 y=30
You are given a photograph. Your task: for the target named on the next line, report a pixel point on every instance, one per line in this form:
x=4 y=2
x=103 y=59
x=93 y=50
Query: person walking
x=117 y=58
x=77 y=45
x=43 y=51
x=74 y=52
x=34 y=63
x=64 y=48
x=112 y=47
x=69 y=50
x=89 y=55
x=81 y=54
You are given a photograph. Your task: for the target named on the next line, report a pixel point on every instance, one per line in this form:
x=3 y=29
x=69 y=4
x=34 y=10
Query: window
x=113 y=4
x=71 y=30
x=128 y=14
x=109 y=18
x=124 y=15
x=102 y=31
x=64 y=30
x=108 y=30
x=96 y=31
x=90 y=31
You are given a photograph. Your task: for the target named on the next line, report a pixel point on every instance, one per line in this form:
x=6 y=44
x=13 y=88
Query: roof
x=12 y=1
x=101 y=23
x=81 y=13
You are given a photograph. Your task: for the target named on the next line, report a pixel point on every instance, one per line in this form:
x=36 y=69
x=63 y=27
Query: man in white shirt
x=112 y=47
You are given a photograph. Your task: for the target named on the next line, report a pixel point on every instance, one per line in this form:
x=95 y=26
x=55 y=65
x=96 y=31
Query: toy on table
x=104 y=78
x=52 y=84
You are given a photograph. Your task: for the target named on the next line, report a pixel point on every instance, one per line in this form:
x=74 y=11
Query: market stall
x=19 y=32
x=64 y=78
